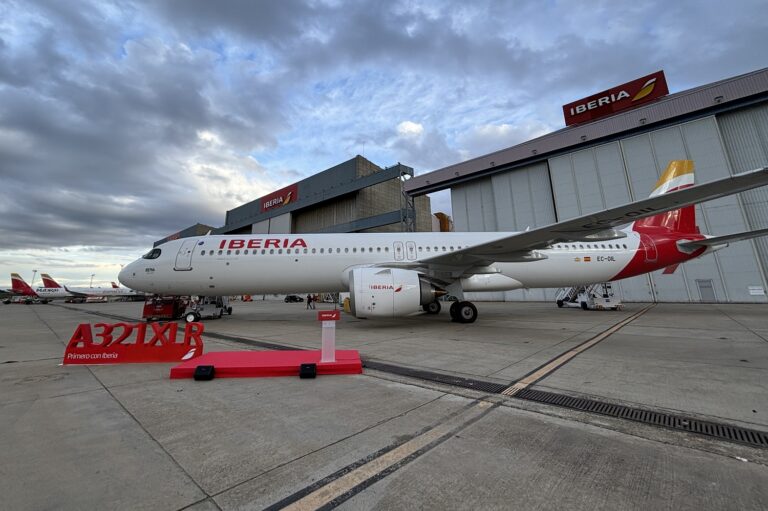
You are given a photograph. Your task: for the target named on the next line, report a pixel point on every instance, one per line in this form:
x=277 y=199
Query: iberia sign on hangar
x=622 y=97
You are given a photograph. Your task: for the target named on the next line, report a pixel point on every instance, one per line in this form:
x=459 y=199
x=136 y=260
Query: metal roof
x=722 y=95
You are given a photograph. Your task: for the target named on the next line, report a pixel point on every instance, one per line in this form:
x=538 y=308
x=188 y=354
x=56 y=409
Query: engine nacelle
x=388 y=292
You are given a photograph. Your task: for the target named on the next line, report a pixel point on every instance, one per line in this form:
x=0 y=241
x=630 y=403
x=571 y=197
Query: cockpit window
x=152 y=254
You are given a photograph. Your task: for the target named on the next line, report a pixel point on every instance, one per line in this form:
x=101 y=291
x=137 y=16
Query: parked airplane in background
x=20 y=287
x=114 y=291
x=400 y=274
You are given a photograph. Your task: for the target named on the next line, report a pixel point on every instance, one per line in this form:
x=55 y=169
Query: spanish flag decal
x=646 y=90
x=587 y=259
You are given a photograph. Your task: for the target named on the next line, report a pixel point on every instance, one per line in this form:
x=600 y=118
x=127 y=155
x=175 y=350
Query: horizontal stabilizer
x=720 y=240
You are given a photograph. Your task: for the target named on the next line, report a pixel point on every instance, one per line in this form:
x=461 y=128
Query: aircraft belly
x=567 y=268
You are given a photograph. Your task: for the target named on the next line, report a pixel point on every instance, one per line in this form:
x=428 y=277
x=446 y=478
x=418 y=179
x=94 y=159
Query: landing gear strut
x=463 y=312
x=432 y=307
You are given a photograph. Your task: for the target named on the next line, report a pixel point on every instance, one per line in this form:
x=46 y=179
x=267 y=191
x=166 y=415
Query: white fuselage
x=293 y=263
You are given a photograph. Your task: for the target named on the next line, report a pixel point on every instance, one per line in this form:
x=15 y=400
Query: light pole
x=34 y=273
x=92 y=275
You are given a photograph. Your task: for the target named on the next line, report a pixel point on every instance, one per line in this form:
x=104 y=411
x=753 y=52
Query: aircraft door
x=184 y=257
x=399 y=251
x=410 y=250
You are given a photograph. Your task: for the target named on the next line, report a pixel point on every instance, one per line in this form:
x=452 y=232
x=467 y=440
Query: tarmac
x=128 y=437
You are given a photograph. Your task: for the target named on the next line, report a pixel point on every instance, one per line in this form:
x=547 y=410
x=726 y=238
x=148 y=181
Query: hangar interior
x=723 y=127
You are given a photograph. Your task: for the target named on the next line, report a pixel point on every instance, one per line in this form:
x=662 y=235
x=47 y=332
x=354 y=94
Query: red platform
x=249 y=364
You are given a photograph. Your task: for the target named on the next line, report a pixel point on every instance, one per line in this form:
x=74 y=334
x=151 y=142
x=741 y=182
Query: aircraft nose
x=127 y=275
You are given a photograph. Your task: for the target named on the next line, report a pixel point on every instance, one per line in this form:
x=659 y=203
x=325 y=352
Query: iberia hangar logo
x=280 y=198
x=622 y=97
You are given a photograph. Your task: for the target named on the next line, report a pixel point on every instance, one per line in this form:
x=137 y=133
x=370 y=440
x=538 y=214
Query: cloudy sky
x=122 y=122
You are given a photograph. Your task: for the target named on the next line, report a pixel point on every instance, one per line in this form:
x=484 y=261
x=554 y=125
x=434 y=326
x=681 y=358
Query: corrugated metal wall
x=618 y=172
x=745 y=134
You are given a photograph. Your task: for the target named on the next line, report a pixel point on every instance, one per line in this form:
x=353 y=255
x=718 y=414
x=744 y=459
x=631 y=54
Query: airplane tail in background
x=115 y=286
x=19 y=286
x=48 y=281
x=679 y=175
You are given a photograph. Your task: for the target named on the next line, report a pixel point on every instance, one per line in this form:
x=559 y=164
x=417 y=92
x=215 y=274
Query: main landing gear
x=463 y=312
x=432 y=307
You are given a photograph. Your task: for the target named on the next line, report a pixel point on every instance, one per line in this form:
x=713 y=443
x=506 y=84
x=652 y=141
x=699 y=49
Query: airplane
x=402 y=274
x=85 y=292
x=44 y=293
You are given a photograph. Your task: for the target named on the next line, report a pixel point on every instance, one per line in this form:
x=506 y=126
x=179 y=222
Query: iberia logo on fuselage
x=263 y=243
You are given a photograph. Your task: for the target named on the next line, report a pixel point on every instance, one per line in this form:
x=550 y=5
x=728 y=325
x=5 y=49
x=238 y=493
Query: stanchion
x=329 y=319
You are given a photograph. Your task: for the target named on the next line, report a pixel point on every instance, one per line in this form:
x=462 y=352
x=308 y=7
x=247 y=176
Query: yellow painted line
x=347 y=482
x=568 y=355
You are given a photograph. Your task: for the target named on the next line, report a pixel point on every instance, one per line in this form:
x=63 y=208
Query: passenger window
x=314 y=250
x=279 y=250
x=229 y=252
x=354 y=250
x=581 y=246
x=263 y=251
x=271 y=250
x=346 y=249
x=370 y=249
x=322 y=250
x=378 y=249
x=245 y=252
x=625 y=245
x=306 y=250
x=287 y=250
x=202 y=253
x=427 y=249
x=386 y=249
x=210 y=252
x=338 y=251
x=221 y=252
x=237 y=252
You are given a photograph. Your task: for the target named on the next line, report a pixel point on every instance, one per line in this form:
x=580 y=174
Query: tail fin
x=115 y=286
x=19 y=286
x=679 y=175
x=48 y=281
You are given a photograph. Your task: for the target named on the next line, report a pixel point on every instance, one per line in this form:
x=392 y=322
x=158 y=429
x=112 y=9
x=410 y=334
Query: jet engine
x=389 y=292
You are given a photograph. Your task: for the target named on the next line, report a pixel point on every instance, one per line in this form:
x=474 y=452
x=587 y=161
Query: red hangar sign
x=622 y=97
x=280 y=198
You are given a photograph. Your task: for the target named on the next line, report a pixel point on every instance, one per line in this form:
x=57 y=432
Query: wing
x=595 y=226
x=75 y=293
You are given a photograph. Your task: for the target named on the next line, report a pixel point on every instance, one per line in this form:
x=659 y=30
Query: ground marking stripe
x=568 y=355
x=344 y=486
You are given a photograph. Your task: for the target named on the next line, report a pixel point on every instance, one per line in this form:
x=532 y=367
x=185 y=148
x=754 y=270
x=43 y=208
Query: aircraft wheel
x=229 y=311
x=466 y=312
x=452 y=311
x=584 y=306
x=560 y=303
x=432 y=307
x=191 y=317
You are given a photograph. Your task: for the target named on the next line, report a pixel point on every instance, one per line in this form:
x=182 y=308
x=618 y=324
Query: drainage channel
x=720 y=431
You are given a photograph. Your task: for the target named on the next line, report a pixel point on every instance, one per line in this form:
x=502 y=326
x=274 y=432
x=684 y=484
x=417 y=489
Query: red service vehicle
x=164 y=308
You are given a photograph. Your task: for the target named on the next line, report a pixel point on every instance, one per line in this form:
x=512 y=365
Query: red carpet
x=247 y=364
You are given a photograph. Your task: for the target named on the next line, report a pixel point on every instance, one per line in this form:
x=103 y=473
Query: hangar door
x=618 y=172
x=509 y=201
x=745 y=135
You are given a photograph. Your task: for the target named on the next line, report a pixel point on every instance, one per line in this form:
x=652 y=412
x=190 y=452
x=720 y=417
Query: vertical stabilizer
x=679 y=175
x=19 y=286
x=48 y=281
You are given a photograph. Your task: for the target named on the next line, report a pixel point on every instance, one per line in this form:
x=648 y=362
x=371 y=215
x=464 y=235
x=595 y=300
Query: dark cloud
x=123 y=122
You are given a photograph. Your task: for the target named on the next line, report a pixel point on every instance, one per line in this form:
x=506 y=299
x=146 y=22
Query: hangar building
x=599 y=163
x=354 y=196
